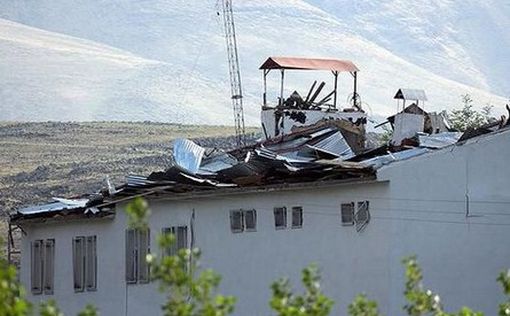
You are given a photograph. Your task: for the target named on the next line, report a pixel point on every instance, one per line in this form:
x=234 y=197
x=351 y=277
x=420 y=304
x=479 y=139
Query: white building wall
x=421 y=210
x=110 y=294
x=461 y=256
x=248 y=261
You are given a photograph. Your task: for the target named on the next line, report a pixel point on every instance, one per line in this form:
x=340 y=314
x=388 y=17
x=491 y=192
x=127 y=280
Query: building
x=268 y=210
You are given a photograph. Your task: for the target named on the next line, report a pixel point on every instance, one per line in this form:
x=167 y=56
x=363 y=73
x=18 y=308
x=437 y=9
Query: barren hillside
x=42 y=160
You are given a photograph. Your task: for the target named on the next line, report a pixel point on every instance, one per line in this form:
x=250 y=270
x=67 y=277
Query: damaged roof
x=325 y=153
x=300 y=63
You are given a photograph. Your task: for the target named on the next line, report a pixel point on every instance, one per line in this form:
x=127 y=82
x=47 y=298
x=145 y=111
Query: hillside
x=465 y=41
x=43 y=160
x=49 y=76
x=165 y=60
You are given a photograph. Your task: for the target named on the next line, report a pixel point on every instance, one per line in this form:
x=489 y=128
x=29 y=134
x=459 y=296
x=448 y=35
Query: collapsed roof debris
x=82 y=206
x=487 y=128
x=188 y=155
x=438 y=140
x=304 y=143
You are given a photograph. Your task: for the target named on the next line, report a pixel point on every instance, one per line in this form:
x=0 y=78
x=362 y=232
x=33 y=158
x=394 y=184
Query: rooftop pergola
x=298 y=63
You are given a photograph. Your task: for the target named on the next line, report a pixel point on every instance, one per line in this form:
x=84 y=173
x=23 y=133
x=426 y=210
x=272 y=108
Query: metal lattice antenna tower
x=234 y=70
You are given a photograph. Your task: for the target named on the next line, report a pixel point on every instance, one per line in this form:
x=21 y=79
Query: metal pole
x=234 y=71
x=265 y=87
x=336 y=84
x=355 y=94
x=281 y=88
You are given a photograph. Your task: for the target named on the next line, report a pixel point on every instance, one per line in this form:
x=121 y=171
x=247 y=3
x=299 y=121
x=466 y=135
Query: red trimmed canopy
x=309 y=64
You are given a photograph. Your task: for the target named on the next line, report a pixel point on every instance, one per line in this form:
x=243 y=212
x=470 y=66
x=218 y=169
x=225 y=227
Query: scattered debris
x=306 y=141
x=439 y=140
x=188 y=155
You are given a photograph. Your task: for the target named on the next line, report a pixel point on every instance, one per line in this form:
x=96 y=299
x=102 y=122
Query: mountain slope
x=47 y=76
x=466 y=41
x=180 y=73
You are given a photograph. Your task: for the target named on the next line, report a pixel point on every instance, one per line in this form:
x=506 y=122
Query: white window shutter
x=78 y=264
x=91 y=264
x=143 y=251
x=131 y=263
x=36 y=266
x=49 y=265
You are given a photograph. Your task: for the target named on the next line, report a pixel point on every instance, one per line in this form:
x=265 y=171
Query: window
x=181 y=239
x=243 y=220
x=236 y=221
x=37 y=266
x=280 y=217
x=137 y=249
x=84 y=263
x=362 y=216
x=49 y=265
x=91 y=264
x=347 y=210
x=42 y=266
x=297 y=217
x=250 y=220
x=78 y=263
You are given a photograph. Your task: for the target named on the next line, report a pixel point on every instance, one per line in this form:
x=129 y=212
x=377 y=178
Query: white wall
x=461 y=256
x=311 y=117
x=110 y=293
x=248 y=261
x=421 y=210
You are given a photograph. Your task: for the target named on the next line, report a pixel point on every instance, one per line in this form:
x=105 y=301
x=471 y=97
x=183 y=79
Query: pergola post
x=335 y=73
x=264 y=96
x=281 y=87
x=355 y=92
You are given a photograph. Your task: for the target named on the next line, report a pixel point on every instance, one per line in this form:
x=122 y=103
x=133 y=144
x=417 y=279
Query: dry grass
x=42 y=160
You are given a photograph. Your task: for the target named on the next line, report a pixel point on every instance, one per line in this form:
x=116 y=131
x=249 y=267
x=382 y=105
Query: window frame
x=42 y=266
x=241 y=221
x=78 y=263
x=37 y=267
x=352 y=206
x=49 y=266
x=362 y=209
x=84 y=263
x=136 y=256
x=283 y=210
x=174 y=230
x=144 y=249
x=298 y=209
x=131 y=265
x=246 y=228
x=91 y=263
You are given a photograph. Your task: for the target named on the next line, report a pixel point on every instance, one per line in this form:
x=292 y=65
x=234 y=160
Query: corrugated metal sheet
x=188 y=155
x=309 y=64
x=439 y=140
x=58 y=205
x=139 y=181
x=411 y=94
x=214 y=164
x=288 y=144
x=378 y=162
x=335 y=145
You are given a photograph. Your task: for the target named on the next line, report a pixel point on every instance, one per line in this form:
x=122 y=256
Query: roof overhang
x=156 y=194
x=300 y=63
